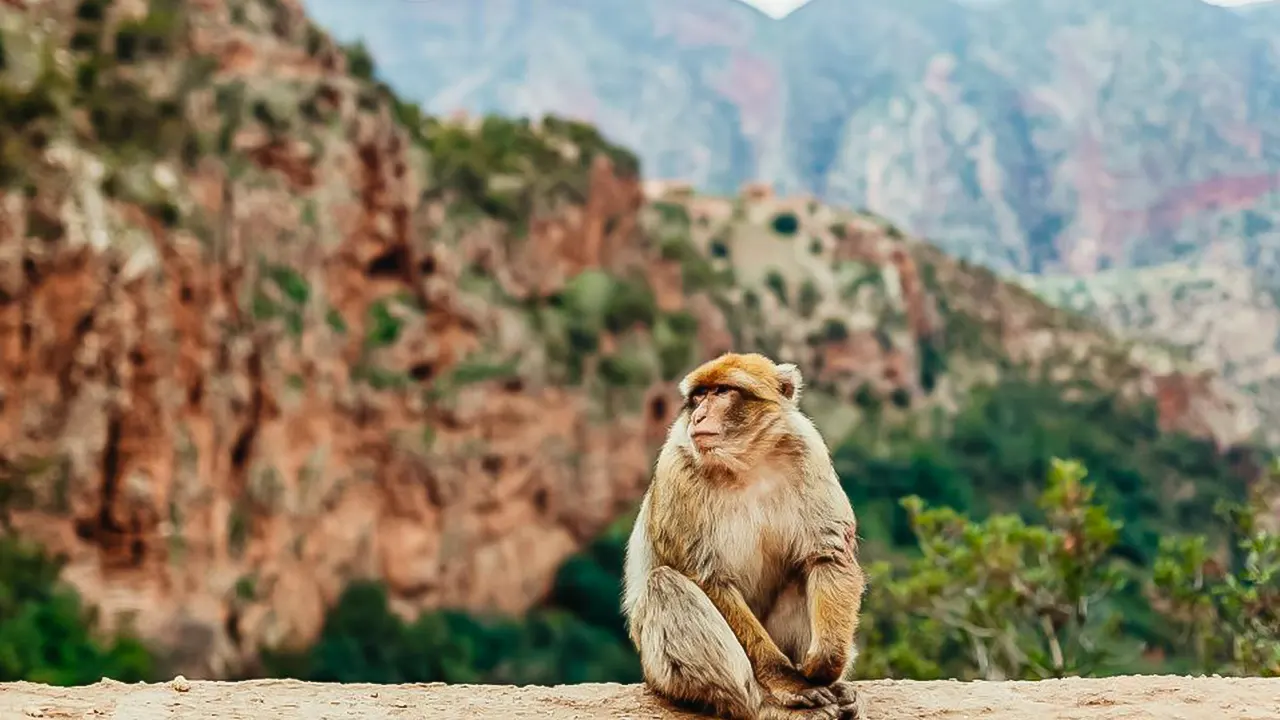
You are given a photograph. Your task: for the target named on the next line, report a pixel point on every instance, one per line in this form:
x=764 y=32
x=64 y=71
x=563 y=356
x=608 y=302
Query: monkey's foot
x=776 y=712
x=803 y=698
x=841 y=701
x=849 y=701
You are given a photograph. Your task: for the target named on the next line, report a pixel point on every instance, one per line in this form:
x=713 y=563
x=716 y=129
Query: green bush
x=835 y=331
x=1001 y=441
x=624 y=371
x=152 y=36
x=778 y=286
x=809 y=298
x=46 y=635
x=362 y=641
x=1228 y=613
x=786 y=224
x=630 y=302
x=1002 y=599
x=933 y=363
x=384 y=327
x=676 y=337
x=696 y=271
x=290 y=282
x=359 y=62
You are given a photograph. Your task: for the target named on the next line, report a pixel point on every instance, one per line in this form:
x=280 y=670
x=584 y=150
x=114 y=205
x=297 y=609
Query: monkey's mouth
x=703 y=438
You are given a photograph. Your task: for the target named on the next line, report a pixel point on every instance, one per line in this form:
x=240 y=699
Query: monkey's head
x=736 y=405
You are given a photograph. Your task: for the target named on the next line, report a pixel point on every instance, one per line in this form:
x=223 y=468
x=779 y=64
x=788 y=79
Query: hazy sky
x=778 y=8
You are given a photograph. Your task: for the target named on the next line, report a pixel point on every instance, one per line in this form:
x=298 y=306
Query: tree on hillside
x=1228 y=609
x=46 y=635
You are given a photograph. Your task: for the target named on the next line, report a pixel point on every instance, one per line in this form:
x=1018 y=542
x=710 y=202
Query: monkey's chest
x=754 y=547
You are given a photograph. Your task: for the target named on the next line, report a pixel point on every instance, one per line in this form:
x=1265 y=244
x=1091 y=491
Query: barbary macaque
x=742 y=586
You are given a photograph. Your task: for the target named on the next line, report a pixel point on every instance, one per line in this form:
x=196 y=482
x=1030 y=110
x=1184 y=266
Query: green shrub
x=674 y=214
x=835 y=331
x=477 y=370
x=359 y=62
x=384 y=328
x=786 y=223
x=676 y=336
x=1228 y=614
x=290 y=282
x=153 y=36
x=809 y=298
x=46 y=636
x=630 y=302
x=624 y=371
x=363 y=641
x=778 y=286
x=1000 y=441
x=932 y=363
x=1001 y=599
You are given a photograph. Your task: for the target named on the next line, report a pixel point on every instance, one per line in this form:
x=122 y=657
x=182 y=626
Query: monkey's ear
x=790 y=382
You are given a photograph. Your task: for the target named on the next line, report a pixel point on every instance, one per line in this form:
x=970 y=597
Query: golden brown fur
x=742 y=586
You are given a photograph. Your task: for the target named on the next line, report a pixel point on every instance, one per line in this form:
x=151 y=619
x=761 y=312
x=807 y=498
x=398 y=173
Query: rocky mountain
x=1031 y=135
x=265 y=329
x=1035 y=137
x=1217 y=315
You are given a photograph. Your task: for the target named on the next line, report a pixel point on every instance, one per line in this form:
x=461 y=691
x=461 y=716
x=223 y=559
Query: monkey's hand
x=788 y=688
x=852 y=706
x=825 y=663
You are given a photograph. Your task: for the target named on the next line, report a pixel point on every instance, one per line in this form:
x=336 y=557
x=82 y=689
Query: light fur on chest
x=755 y=534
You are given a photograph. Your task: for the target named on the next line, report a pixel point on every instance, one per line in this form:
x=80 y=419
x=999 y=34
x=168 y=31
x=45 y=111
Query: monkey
x=741 y=582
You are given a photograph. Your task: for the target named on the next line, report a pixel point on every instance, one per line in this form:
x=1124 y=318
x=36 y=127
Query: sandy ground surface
x=1166 y=698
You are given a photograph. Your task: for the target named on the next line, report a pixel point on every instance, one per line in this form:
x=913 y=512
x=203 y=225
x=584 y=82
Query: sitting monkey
x=741 y=584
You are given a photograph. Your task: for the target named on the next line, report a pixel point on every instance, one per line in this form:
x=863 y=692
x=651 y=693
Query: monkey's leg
x=790 y=626
x=834 y=587
x=690 y=655
x=788 y=622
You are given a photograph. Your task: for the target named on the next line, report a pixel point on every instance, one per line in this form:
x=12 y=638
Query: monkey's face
x=719 y=417
x=736 y=410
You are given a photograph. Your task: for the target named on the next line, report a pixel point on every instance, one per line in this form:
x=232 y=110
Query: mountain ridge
x=1034 y=137
x=785 y=103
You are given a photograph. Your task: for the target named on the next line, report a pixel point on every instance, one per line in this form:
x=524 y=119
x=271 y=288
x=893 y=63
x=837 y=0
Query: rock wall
x=222 y=421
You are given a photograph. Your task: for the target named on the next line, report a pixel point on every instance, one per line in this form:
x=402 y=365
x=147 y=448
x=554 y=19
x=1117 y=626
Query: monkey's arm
x=834 y=587
x=773 y=670
x=765 y=656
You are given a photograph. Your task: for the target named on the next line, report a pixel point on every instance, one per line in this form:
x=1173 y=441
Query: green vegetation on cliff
x=47 y=635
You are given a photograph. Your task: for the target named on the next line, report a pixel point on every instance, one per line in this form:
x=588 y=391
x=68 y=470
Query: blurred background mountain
x=1121 y=145
x=302 y=373
x=1027 y=135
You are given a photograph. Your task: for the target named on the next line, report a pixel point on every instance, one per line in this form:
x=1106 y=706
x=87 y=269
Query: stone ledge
x=1132 y=697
